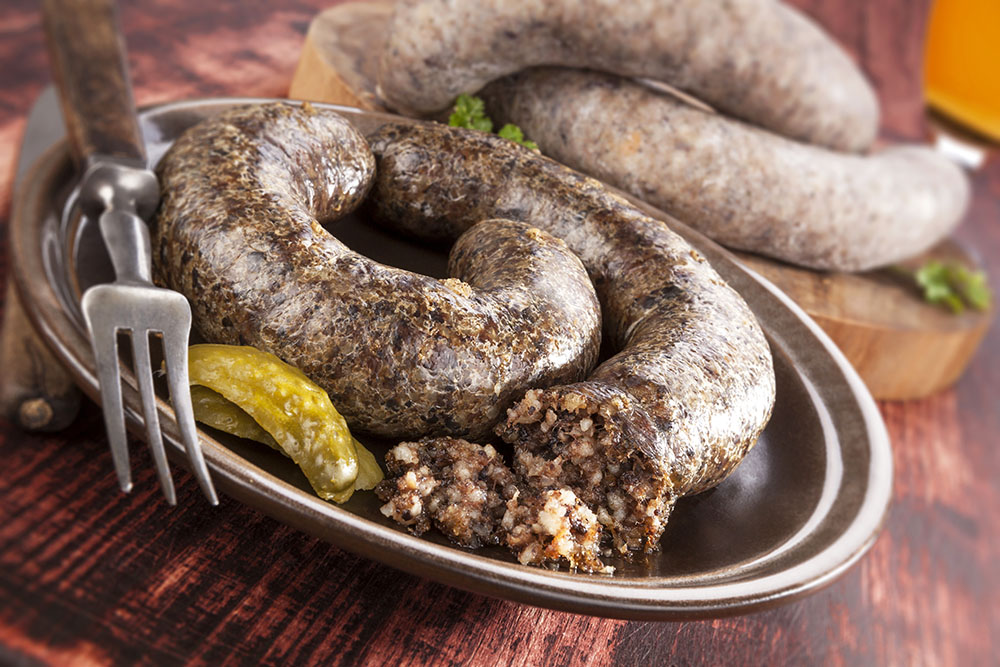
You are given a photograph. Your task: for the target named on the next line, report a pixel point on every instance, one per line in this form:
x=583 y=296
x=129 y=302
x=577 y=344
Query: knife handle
x=89 y=64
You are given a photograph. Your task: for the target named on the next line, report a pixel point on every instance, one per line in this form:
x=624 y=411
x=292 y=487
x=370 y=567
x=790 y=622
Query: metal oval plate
x=805 y=504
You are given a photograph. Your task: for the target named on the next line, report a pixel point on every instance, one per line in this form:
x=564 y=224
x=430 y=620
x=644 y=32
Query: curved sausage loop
x=758 y=60
x=692 y=385
x=400 y=354
x=737 y=184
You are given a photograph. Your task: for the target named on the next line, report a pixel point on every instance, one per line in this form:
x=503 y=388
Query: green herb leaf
x=470 y=113
x=953 y=285
x=972 y=285
x=515 y=134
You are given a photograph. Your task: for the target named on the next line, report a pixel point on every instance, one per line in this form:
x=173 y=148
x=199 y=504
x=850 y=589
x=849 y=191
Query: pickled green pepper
x=282 y=408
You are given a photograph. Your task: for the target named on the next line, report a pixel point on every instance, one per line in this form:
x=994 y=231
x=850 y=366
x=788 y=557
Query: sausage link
x=692 y=384
x=755 y=59
x=741 y=186
x=401 y=354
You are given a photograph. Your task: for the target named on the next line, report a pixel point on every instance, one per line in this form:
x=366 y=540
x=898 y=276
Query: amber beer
x=962 y=63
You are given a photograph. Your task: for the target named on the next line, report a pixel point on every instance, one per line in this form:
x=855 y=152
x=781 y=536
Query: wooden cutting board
x=902 y=346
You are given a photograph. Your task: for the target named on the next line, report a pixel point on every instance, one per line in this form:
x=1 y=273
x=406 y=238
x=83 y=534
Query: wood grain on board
x=91 y=576
x=36 y=392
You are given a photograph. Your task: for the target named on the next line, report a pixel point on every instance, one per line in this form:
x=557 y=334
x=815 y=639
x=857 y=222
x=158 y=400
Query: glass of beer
x=962 y=64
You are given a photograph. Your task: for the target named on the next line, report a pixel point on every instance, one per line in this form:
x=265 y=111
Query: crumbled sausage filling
x=576 y=482
x=563 y=439
x=467 y=492
x=554 y=527
x=460 y=488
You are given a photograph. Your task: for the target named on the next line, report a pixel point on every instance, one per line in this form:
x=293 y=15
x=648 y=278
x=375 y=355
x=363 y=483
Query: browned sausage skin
x=692 y=385
x=754 y=59
x=401 y=354
x=742 y=186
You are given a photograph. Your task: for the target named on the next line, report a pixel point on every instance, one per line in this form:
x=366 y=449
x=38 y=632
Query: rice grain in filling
x=459 y=487
x=467 y=492
x=554 y=527
x=573 y=437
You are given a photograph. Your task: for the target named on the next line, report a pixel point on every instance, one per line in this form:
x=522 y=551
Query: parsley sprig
x=514 y=133
x=953 y=285
x=470 y=112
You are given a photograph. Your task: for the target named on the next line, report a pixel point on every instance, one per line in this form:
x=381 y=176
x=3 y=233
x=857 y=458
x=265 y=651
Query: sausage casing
x=692 y=384
x=400 y=354
x=754 y=59
x=743 y=187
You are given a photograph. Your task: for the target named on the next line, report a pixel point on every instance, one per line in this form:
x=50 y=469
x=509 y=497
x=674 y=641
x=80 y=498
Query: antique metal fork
x=118 y=190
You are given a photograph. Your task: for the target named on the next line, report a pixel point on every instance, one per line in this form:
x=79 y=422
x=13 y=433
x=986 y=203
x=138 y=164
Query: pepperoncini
x=258 y=396
x=213 y=409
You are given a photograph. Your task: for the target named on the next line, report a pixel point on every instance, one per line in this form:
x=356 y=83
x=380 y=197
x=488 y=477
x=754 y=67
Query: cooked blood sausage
x=740 y=185
x=692 y=384
x=239 y=233
x=754 y=59
x=468 y=493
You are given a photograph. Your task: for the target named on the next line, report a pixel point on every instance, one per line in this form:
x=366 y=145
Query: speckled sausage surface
x=754 y=59
x=741 y=186
x=239 y=233
x=692 y=384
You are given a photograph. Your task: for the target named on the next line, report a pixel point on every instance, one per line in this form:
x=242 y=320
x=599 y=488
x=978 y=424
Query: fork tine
x=175 y=351
x=144 y=377
x=105 y=344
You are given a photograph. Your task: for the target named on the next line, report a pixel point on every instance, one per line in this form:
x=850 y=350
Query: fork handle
x=91 y=74
x=127 y=239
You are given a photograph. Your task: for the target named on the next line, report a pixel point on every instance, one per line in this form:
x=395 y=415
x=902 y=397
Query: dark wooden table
x=88 y=575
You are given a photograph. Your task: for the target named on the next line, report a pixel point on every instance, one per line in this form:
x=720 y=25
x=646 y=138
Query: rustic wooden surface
x=36 y=390
x=90 y=576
